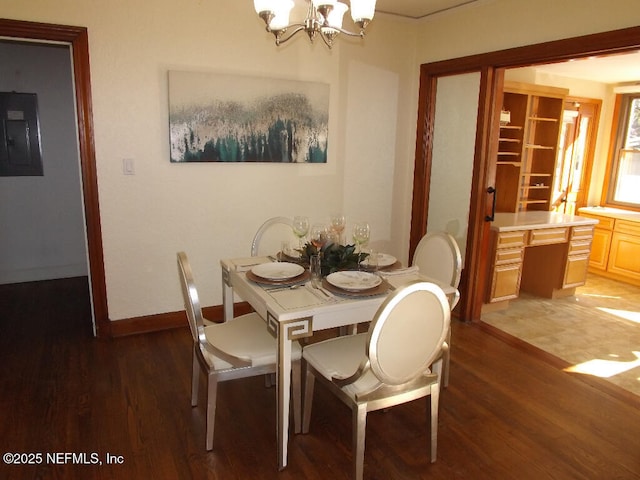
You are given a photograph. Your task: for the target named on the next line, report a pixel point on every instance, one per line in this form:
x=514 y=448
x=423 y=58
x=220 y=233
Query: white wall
x=452 y=163
x=212 y=210
x=41 y=218
x=209 y=209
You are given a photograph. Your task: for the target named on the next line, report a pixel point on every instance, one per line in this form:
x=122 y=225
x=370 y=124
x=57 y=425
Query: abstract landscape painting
x=233 y=118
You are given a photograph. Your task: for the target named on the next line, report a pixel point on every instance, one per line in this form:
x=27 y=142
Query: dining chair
x=391 y=364
x=269 y=237
x=268 y=240
x=438 y=256
x=239 y=348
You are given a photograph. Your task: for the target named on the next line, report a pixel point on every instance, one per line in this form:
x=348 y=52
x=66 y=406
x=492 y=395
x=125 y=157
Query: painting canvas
x=233 y=118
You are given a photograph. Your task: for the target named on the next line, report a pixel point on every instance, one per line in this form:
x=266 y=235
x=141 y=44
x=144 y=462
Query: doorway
x=77 y=39
x=491 y=66
x=578 y=139
x=41 y=212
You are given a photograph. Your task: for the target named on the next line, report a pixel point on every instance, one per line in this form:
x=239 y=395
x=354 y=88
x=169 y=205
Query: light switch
x=128 y=167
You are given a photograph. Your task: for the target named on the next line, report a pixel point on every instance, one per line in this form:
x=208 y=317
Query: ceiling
x=612 y=69
x=419 y=8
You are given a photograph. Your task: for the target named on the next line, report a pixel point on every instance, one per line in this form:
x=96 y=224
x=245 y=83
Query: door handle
x=491 y=218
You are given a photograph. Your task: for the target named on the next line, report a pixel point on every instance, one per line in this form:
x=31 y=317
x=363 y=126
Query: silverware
x=288 y=287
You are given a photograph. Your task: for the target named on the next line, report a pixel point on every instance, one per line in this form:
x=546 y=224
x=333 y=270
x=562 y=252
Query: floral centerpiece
x=334 y=257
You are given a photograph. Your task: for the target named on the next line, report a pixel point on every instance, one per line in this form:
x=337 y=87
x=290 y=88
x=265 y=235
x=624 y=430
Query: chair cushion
x=341 y=357
x=247 y=338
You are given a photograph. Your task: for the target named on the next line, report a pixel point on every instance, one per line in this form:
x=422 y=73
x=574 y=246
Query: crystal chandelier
x=324 y=18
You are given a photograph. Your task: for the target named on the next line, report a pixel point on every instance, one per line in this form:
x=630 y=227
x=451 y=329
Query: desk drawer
x=511 y=239
x=575 y=274
x=548 y=236
x=509 y=255
x=579 y=247
x=582 y=232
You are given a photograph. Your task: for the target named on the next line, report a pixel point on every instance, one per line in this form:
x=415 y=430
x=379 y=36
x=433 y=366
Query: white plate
x=384 y=260
x=354 y=281
x=277 y=270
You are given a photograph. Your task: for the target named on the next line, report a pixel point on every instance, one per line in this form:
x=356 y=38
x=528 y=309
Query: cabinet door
x=505 y=284
x=575 y=273
x=624 y=257
x=600 y=249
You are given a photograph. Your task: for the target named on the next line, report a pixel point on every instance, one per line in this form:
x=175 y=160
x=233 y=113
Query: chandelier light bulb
x=362 y=10
x=335 y=16
x=281 y=12
x=324 y=18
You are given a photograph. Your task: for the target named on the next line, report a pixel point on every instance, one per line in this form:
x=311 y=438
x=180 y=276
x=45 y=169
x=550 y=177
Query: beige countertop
x=505 y=222
x=612 y=212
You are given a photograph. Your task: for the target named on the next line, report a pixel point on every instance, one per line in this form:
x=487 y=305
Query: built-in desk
x=542 y=253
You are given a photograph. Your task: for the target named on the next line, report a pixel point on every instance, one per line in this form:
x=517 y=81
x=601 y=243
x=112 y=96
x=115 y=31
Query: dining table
x=291 y=314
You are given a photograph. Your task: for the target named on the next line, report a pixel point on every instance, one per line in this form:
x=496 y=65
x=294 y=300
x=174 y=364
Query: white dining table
x=293 y=314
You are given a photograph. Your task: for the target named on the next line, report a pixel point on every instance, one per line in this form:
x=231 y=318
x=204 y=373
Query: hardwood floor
x=507 y=414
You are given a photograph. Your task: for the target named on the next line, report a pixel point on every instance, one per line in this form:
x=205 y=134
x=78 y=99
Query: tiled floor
x=597 y=330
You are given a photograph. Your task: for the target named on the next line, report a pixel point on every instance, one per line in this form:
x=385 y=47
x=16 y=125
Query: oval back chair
x=386 y=366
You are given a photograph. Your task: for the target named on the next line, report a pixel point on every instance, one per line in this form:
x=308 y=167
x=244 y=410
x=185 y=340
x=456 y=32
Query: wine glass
x=338 y=222
x=318 y=236
x=361 y=232
x=300 y=228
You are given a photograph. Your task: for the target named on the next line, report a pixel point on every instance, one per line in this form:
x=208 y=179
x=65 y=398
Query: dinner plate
x=381 y=289
x=277 y=270
x=353 y=281
x=384 y=260
x=302 y=278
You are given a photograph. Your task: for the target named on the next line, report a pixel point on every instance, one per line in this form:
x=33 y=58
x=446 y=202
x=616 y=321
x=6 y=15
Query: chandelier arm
x=281 y=38
x=347 y=32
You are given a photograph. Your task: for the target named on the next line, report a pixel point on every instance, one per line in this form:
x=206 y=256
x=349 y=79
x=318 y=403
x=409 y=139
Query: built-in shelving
x=527 y=146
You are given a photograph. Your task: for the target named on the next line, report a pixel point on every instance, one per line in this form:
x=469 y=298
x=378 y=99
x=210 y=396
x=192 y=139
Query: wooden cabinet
x=624 y=255
x=615 y=251
x=528 y=146
x=600 y=249
x=508 y=253
x=575 y=273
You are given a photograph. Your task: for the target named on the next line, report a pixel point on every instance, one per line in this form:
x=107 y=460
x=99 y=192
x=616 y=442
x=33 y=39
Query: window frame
x=619 y=128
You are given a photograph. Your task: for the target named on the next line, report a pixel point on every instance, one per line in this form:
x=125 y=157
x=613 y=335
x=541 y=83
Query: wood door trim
x=78 y=39
x=473 y=276
x=589 y=154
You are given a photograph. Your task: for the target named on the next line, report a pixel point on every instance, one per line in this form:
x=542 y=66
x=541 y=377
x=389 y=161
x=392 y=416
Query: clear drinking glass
x=318 y=236
x=300 y=228
x=315 y=267
x=338 y=222
x=371 y=261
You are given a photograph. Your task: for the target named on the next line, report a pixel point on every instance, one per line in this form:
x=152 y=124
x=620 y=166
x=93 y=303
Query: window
x=624 y=172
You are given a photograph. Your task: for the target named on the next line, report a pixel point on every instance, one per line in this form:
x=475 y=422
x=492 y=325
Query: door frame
x=491 y=66
x=78 y=39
